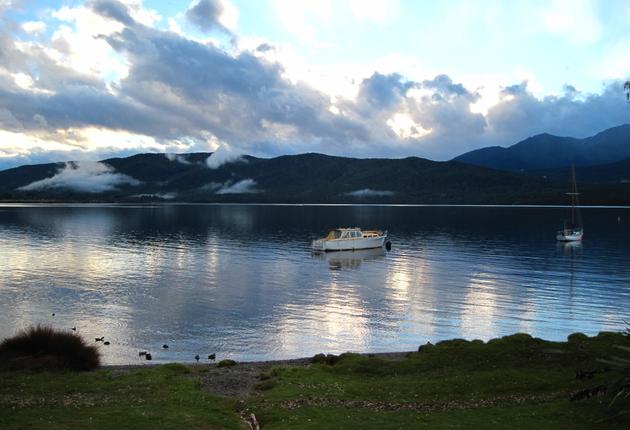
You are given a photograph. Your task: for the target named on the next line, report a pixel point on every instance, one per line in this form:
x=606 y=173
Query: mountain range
x=534 y=171
x=546 y=151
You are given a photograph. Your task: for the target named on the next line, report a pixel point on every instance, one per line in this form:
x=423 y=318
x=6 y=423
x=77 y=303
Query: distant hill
x=613 y=173
x=546 y=151
x=304 y=178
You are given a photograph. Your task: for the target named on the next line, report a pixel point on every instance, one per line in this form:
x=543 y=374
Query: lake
x=240 y=281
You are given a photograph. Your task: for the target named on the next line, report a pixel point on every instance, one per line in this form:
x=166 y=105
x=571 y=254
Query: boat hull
x=569 y=236
x=351 y=244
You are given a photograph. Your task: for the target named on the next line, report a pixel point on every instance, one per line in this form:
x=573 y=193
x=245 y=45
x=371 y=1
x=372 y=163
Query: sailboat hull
x=569 y=235
x=572 y=232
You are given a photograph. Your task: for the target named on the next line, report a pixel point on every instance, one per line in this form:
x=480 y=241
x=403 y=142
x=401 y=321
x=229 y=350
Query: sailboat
x=573 y=230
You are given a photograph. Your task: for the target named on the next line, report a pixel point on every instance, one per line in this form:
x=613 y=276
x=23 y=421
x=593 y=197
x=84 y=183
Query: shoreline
x=454 y=383
x=258 y=363
x=11 y=204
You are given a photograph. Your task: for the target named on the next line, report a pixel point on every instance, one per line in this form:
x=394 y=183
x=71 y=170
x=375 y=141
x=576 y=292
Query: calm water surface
x=241 y=280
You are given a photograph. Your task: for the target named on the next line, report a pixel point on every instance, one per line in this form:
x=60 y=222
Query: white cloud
x=229 y=17
x=80 y=44
x=240 y=187
x=34 y=27
x=86 y=177
x=405 y=127
x=176 y=157
x=165 y=196
x=222 y=155
x=367 y=192
x=174 y=27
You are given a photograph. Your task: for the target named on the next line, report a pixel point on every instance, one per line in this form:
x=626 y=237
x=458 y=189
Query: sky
x=88 y=80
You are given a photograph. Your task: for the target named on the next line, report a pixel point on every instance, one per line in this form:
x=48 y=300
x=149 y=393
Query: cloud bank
x=241 y=187
x=85 y=177
x=224 y=154
x=367 y=192
x=176 y=157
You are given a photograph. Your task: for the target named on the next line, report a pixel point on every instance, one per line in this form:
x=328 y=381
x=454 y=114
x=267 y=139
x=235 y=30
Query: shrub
x=318 y=358
x=577 y=338
x=226 y=363
x=43 y=348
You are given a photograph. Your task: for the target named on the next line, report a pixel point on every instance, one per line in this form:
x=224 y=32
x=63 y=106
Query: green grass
x=515 y=382
x=165 y=397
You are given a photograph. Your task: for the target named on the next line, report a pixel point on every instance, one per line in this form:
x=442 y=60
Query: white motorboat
x=350 y=239
x=572 y=230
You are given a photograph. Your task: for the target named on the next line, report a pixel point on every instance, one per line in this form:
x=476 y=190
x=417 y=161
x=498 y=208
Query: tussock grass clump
x=44 y=348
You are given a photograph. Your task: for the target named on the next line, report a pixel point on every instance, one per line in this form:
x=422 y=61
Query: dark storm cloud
x=205 y=15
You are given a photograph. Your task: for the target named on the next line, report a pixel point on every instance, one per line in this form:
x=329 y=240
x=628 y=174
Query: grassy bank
x=517 y=382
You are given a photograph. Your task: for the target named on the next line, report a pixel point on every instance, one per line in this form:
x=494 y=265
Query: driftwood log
x=253 y=422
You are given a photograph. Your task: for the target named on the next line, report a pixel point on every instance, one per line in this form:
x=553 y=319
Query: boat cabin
x=351 y=233
x=344 y=233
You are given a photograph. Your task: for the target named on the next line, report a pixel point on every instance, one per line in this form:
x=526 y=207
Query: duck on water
x=350 y=239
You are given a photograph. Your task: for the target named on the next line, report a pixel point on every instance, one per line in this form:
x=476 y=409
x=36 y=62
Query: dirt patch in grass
x=240 y=380
x=243 y=379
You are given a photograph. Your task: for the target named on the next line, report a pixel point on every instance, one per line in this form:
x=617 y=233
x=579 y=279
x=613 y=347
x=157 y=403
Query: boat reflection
x=349 y=259
x=569 y=248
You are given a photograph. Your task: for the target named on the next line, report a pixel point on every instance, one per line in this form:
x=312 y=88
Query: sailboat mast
x=575 y=202
x=573 y=195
